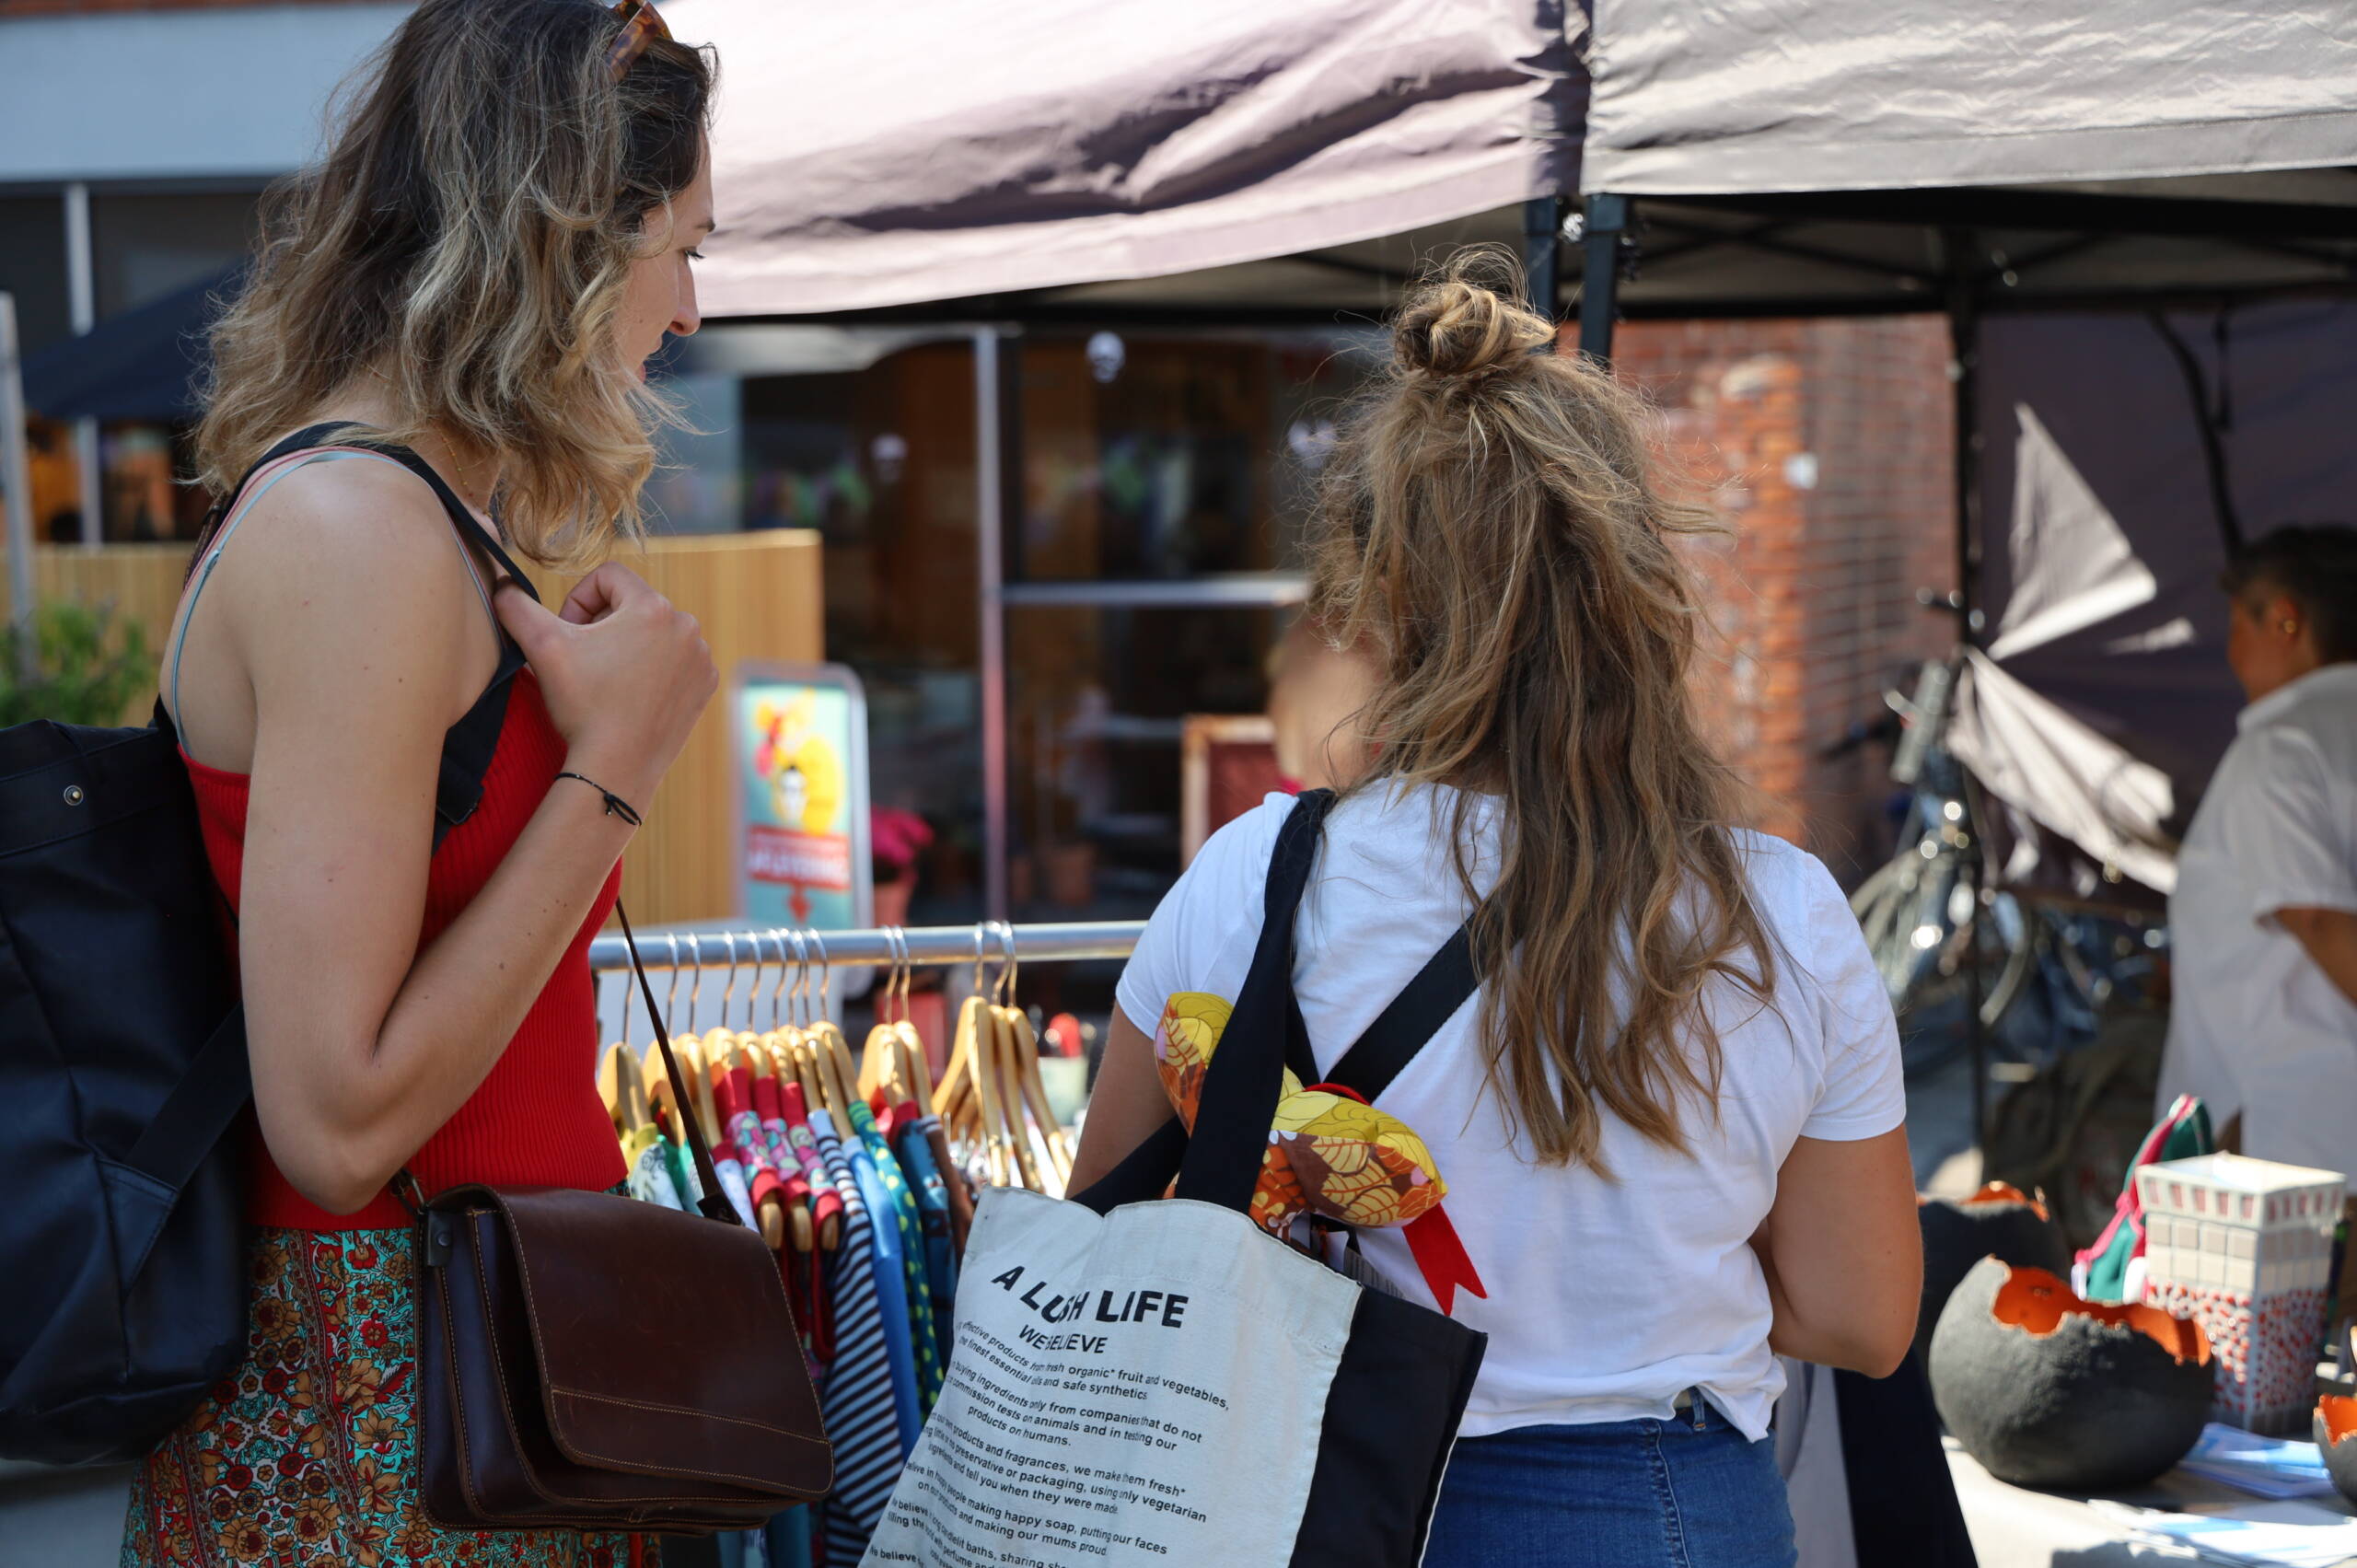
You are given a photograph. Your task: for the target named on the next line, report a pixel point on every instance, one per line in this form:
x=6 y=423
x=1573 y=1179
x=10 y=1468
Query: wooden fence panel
x=759 y=596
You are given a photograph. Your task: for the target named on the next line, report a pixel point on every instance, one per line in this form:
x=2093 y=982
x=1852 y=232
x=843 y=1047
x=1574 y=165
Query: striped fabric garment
x=857 y=1402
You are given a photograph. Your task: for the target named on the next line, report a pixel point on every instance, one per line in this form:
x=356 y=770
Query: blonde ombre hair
x=465 y=241
x=1491 y=529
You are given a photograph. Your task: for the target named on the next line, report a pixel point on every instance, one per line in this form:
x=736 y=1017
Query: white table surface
x=2015 y=1527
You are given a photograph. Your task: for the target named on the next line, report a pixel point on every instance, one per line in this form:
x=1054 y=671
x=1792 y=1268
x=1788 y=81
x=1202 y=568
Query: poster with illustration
x=800 y=740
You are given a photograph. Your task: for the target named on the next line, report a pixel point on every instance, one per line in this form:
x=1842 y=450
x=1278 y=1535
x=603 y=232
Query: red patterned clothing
x=307 y=1453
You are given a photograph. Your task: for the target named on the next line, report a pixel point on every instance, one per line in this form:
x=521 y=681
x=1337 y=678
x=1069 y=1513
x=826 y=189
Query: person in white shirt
x=2263 y=923
x=1671 y=1118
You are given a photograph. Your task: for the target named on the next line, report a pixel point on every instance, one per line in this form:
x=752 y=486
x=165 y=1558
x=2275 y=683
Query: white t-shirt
x=1605 y=1298
x=2256 y=1026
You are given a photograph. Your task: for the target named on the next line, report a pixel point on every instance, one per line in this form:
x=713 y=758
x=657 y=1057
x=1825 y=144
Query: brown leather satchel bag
x=596 y=1362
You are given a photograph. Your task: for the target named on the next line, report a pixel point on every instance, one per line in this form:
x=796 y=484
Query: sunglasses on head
x=641 y=27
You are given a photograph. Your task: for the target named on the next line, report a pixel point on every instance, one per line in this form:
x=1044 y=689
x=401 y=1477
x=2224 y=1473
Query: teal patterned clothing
x=910 y=1223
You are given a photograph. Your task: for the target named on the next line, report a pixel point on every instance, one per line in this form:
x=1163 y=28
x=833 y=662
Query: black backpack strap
x=1242 y=1085
x=199 y=1109
x=1431 y=999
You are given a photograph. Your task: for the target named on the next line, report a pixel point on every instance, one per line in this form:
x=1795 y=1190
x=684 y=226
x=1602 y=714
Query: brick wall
x=1826 y=446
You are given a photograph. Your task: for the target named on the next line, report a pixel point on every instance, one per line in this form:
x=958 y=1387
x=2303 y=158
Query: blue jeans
x=1687 y=1492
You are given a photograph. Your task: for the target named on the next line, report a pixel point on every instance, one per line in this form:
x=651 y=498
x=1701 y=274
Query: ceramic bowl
x=2047 y=1389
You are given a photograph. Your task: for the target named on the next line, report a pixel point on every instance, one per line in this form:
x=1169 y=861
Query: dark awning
x=140 y=365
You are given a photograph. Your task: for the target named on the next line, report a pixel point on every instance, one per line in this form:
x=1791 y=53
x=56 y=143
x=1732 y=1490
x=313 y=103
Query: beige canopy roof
x=1226 y=154
x=932 y=149
x=1849 y=95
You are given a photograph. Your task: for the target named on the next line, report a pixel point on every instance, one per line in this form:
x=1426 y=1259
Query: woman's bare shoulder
x=346 y=554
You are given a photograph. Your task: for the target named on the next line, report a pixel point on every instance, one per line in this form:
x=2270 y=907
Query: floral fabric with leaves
x=307 y=1453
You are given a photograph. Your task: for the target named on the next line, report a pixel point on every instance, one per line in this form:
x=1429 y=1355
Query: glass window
x=880 y=461
x=1098 y=700
x=1159 y=457
x=148 y=246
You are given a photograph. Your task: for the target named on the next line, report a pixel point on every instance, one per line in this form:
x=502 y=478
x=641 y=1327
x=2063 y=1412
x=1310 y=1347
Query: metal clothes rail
x=922 y=945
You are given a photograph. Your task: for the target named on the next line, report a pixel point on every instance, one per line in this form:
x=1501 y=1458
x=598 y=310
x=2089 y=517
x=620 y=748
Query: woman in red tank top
x=500 y=236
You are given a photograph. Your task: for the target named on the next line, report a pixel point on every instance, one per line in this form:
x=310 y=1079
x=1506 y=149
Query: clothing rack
x=925 y=945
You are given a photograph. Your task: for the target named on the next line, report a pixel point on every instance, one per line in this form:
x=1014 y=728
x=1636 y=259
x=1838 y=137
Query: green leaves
x=86 y=665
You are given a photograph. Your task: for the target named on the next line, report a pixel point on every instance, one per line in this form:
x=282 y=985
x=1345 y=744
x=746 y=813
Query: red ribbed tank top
x=537 y=1119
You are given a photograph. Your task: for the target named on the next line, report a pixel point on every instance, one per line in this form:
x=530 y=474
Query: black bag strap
x=713 y=1204
x=1440 y=988
x=1367 y=1068
x=345 y=433
x=1241 y=1087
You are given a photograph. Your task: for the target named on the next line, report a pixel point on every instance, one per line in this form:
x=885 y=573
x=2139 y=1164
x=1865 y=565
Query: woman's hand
x=624 y=674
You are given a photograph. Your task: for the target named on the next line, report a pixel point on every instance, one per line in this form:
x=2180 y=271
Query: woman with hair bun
x=439 y=360
x=1670 y=1119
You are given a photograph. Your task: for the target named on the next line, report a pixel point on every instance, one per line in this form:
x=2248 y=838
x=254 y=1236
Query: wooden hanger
x=956 y=1100
x=1024 y=1048
x=915 y=1071
x=885 y=1061
x=623 y=1090
x=826 y=1037
x=965 y=1045
x=1017 y=1060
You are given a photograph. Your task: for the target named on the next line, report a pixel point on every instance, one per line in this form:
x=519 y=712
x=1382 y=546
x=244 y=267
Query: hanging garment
x=916 y=1289
x=860 y=1400
x=890 y=1273
x=826 y=1211
x=684 y=1180
x=962 y=1194
x=728 y=1164
x=932 y=1191
x=650 y=1168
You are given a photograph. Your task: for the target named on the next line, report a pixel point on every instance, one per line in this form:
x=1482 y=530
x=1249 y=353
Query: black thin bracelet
x=615 y=805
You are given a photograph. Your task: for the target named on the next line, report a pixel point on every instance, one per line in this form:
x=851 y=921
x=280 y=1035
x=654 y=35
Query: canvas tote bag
x=1158 y=1382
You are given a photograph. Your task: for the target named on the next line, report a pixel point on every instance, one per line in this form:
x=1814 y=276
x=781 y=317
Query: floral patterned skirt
x=307 y=1453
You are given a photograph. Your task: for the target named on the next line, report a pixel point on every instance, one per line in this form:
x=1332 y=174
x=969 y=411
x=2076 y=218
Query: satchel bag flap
x=664 y=1342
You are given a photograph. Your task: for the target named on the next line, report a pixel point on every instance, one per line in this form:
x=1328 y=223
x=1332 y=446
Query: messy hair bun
x=1495 y=529
x=1468 y=323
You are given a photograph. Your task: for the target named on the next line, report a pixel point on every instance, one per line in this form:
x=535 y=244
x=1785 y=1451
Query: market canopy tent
x=937 y=149
x=1233 y=155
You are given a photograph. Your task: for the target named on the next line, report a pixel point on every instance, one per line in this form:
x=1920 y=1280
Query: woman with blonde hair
x=439 y=360
x=1670 y=1116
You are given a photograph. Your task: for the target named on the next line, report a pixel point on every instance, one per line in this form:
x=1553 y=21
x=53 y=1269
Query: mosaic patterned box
x=2245 y=1245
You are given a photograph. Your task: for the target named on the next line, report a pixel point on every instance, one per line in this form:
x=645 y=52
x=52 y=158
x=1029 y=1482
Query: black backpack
x=122 y=1063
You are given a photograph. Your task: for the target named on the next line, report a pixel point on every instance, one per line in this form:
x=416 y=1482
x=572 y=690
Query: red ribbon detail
x=1440 y=1258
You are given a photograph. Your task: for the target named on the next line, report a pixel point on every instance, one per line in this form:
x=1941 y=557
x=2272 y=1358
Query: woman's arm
x=1843 y=1255
x=349 y=627
x=1124 y=1108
